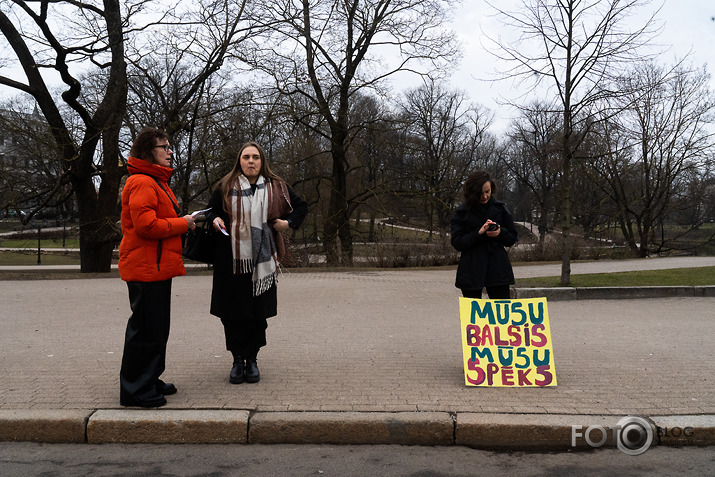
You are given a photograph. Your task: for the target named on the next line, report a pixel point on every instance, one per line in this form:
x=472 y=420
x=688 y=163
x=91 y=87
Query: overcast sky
x=687 y=27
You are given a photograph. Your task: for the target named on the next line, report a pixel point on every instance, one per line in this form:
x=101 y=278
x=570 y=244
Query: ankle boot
x=238 y=374
x=165 y=388
x=252 y=374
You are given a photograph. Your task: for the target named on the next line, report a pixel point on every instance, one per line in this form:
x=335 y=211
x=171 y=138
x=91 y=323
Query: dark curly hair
x=144 y=143
x=473 y=187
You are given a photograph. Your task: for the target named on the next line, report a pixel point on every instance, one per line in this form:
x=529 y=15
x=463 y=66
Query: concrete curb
x=614 y=293
x=479 y=430
x=403 y=428
x=55 y=426
x=526 y=432
x=168 y=426
x=685 y=430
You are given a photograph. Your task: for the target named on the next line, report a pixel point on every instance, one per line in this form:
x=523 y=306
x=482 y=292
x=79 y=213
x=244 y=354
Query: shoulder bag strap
x=176 y=207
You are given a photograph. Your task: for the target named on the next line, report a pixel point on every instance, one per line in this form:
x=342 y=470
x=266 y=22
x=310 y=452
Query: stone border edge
x=613 y=293
x=490 y=431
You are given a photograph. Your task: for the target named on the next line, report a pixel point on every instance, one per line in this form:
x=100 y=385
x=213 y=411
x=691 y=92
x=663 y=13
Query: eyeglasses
x=165 y=147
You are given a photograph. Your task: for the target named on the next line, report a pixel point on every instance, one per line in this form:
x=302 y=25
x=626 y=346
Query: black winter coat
x=232 y=295
x=484 y=261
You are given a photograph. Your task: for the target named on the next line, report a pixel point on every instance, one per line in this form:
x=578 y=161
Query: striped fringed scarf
x=253 y=247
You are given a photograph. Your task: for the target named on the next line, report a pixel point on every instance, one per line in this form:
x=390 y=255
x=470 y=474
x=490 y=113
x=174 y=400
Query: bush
x=400 y=255
x=581 y=249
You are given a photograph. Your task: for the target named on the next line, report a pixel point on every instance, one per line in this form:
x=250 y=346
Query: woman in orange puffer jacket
x=149 y=257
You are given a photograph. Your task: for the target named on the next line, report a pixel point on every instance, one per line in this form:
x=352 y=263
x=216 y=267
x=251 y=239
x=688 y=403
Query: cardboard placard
x=506 y=343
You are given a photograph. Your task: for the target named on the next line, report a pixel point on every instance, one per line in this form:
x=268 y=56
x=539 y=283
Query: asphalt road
x=26 y=459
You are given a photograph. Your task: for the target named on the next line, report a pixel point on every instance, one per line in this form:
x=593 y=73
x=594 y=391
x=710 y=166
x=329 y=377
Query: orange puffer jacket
x=151 y=243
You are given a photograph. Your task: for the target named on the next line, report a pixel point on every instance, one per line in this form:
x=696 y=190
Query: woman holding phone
x=481 y=227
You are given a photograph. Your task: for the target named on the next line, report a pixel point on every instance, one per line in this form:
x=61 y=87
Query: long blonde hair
x=227 y=181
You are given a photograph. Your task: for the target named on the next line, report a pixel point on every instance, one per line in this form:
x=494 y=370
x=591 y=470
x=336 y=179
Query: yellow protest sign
x=506 y=343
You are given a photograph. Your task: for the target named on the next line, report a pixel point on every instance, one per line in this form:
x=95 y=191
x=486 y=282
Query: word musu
x=506 y=343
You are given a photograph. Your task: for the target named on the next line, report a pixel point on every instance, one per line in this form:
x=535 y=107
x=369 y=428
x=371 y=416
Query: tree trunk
x=100 y=217
x=566 y=227
x=346 y=239
x=566 y=202
x=371 y=233
x=95 y=243
x=95 y=250
x=338 y=235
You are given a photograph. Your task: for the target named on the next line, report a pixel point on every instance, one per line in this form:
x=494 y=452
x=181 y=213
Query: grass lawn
x=44 y=243
x=14 y=258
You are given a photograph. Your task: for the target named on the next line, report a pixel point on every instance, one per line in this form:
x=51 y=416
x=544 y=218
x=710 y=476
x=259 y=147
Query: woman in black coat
x=250 y=207
x=481 y=227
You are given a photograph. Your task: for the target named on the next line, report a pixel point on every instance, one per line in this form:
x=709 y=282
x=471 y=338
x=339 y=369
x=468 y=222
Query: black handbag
x=199 y=243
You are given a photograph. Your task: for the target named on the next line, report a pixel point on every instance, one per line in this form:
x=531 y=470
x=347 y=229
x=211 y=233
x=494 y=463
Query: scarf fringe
x=244 y=265
x=262 y=285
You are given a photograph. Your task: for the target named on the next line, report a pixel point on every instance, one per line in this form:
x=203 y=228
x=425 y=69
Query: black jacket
x=484 y=261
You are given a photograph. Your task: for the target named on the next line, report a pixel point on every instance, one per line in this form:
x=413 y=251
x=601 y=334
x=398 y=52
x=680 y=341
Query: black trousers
x=145 y=340
x=495 y=292
x=245 y=337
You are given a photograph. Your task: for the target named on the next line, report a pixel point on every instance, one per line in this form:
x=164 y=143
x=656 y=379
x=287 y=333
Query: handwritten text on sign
x=506 y=343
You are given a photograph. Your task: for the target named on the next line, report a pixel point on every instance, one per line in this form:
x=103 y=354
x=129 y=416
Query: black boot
x=252 y=374
x=237 y=375
x=165 y=388
x=147 y=399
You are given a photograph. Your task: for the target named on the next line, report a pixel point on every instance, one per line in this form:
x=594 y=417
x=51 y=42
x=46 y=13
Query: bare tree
x=370 y=152
x=655 y=149
x=326 y=51
x=179 y=74
x=448 y=137
x=575 y=47
x=30 y=171
x=173 y=55
x=536 y=159
x=54 y=35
